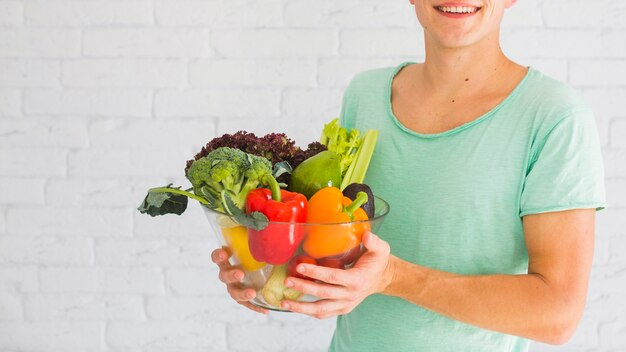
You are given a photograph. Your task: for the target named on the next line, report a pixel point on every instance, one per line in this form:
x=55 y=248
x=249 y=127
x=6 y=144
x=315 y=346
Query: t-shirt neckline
x=457 y=129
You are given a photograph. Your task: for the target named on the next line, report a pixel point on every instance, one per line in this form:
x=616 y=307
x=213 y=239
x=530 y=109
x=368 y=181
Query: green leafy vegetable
x=255 y=220
x=276 y=147
x=221 y=181
x=227 y=171
x=354 y=149
x=357 y=170
x=342 y=142
x=166 y=200
x=281 y=168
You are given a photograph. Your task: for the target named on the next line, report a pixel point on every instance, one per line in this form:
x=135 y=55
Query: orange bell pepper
x=329 y=206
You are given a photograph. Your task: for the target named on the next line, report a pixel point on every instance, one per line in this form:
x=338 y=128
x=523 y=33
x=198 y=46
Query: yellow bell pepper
x=237 y=240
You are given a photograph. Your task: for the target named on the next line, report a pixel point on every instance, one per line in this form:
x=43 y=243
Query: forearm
x=522 y=305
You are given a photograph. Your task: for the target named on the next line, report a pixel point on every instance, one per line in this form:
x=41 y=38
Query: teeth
x=457 y=9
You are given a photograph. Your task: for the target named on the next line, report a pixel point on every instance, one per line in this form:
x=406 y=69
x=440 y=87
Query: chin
x=456 y=41
x=462 y=37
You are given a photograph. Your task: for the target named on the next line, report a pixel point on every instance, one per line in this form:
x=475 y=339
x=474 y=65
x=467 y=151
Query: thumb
x=374 y=244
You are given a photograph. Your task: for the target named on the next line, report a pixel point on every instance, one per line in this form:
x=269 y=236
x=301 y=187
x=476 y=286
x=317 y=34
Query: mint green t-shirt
x=458 y=197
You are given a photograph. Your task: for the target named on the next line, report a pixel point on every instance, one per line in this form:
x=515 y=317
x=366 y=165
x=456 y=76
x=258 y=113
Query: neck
x=451 y=71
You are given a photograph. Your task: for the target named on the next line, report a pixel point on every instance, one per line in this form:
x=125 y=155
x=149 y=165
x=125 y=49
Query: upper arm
x=560 y=251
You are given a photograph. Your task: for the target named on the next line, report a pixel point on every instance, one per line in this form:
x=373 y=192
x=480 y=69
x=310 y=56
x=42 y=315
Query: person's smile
x=456 y=9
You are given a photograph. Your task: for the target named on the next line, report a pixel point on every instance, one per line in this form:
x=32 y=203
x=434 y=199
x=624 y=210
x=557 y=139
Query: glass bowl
x=330 y=245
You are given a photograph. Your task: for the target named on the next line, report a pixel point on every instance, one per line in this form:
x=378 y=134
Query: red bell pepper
x=276 y=243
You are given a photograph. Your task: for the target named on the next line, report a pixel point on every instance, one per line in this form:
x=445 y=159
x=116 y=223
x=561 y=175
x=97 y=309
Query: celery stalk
x=275 y=290
x=292 y=294
x=357 y=170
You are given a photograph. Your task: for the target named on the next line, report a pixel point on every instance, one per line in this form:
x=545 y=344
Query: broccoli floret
x=276 y=147
x=235 y=156
x=228 y=171
x=222 y=169
x=259 y=168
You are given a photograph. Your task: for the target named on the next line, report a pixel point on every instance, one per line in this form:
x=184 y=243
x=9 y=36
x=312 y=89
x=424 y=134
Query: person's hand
x=342 y=290
x=232 y=277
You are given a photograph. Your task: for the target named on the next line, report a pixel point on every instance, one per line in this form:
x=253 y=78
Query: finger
x=254 y=308
x=319 y=290
x=320 y=309
x=219 y=256
x=231 y=276
x=241 y=294
x=328 y=275
x=374 y=244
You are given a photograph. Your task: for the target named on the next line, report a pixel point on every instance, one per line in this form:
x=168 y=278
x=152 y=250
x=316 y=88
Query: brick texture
x=11 y=13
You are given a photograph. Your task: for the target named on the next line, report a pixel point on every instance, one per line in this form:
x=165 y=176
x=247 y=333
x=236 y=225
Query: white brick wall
x=38 y=42
x=146 y=42
x=73 y=13
x=100 y=100
x=11 y=13
x=29 y=73
x=52 y=335
x=131 y=73
x=88 y=102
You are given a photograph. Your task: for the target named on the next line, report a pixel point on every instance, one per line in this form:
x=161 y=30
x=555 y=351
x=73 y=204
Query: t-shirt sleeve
x=566 y=169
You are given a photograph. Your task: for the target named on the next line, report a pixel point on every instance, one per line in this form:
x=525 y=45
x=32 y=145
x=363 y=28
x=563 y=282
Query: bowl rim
x=386 y=209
